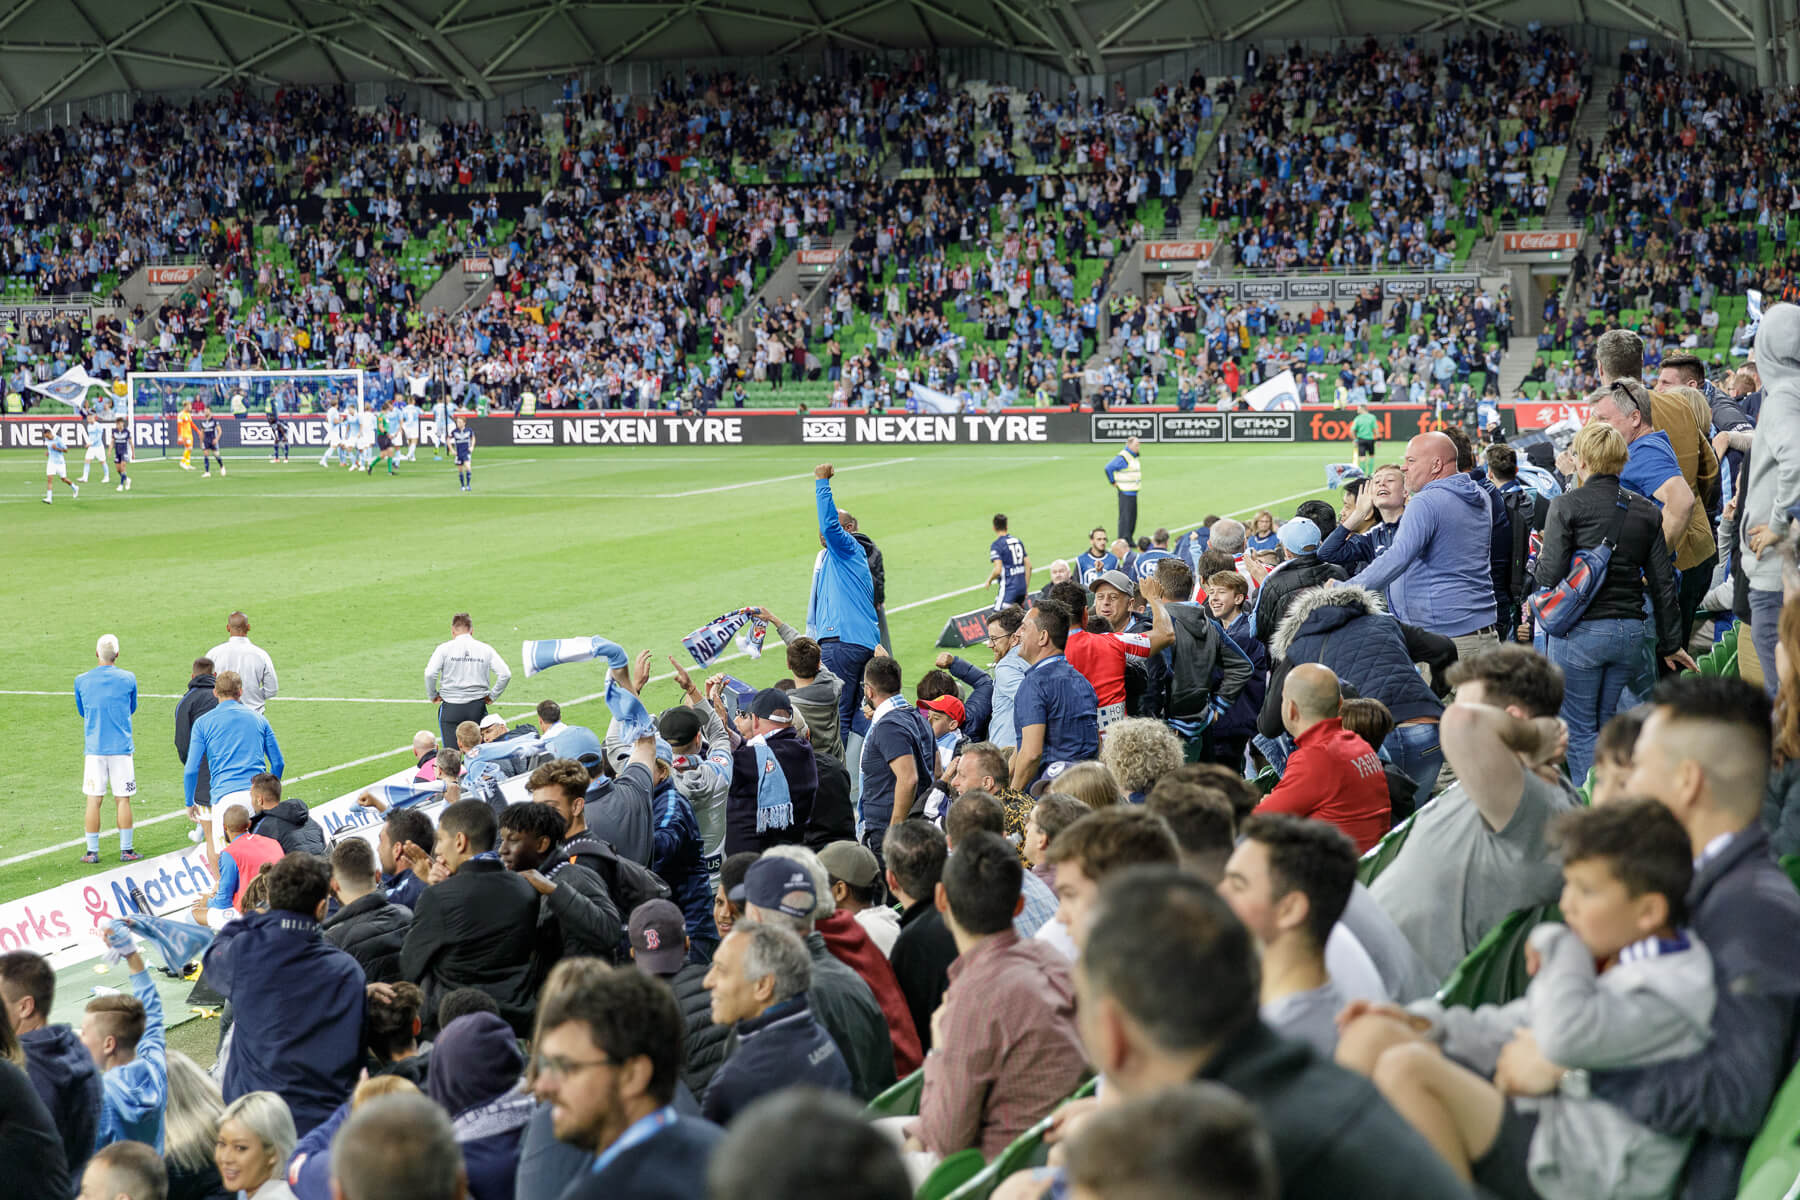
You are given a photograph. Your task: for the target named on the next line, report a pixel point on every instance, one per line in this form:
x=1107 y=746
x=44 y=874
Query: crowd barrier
x=820 y=427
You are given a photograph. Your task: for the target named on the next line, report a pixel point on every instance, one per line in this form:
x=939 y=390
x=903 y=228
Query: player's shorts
x=101 y=770
x=120 y=453
x=412 y=433
x=54 y=467
x=1365 y=448
x=383 y=442
x=462 y=459
x=95 y=452
x=363 y=443
x=184 y=439
x=212 y=442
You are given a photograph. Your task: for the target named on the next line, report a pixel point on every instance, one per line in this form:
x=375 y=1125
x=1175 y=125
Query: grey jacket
x=704 y=785
x=817 y=703
x=1774 y=484
x=1650 y=1007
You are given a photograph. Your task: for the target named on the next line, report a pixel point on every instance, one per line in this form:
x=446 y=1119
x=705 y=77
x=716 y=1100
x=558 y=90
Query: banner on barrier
x=1339 y=287
x=622 y=430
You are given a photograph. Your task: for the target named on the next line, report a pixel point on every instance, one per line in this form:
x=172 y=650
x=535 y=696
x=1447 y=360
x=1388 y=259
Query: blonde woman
x=255 y=1141
x=1138 y=751
x=1602 y=653
x=1092 y=783
x=190 y=1131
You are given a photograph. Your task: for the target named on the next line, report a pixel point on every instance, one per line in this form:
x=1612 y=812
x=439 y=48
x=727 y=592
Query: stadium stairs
x=1591 y=121
x=1516 y=362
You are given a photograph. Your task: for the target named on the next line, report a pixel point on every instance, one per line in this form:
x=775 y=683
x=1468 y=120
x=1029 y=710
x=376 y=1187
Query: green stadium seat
x=900 y=1100
x=1791 y=864
x=950 y=1176
x=1777 y=1179
x=1779 y=1138
x=1494 y=972
x=1378 y=856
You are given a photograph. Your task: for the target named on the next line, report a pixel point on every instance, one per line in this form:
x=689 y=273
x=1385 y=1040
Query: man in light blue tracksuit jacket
x=1436 y=573
x=840 y=616
x=235 y=742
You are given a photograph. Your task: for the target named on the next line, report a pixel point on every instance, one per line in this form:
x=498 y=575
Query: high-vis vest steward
x=1131 y=474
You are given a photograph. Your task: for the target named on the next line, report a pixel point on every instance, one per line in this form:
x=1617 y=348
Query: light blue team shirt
x=106 y=697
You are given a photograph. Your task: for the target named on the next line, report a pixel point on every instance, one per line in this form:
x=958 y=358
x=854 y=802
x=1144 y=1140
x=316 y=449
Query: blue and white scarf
x=709 y=641
x=634 y=719
x=406 y=795
x=179 y=942
x=774 y=804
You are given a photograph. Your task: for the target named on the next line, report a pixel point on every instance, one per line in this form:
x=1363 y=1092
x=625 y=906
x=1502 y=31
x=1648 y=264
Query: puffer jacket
x=1580 y=520
x=371 y=929
x=1277 y=592
x=707 y=1044
x=291 y=824
x=1346 y=627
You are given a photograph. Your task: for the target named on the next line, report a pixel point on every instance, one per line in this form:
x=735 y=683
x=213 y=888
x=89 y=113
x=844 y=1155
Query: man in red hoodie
x=1332 y=775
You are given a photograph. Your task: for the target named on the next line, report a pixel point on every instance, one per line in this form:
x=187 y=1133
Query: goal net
x=244 y=393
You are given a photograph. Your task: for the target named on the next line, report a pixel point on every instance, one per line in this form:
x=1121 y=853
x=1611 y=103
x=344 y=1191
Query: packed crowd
x=1372 y=157
x=1204 y=830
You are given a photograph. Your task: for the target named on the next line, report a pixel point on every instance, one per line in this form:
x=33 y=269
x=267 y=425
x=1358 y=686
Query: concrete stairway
x=1521 y=352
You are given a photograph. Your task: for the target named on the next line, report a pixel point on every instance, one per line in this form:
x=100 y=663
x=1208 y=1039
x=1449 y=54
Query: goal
x=154 y=397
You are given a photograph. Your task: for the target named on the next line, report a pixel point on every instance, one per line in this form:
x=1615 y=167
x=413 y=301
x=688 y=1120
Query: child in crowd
x=1620 y=985
x=1612 y=756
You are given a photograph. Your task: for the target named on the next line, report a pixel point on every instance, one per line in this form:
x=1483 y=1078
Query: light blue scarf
x=634 y=719
x=774 y=804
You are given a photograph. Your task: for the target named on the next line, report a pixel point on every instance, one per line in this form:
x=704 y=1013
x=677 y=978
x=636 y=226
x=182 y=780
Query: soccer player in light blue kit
x=440 y=420
x=106 y=698
x=56 y=466
x=96 y=448
x=409 y=421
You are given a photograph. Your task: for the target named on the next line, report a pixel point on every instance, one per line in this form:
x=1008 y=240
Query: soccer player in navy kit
x=1012 y=566
x=121 y=444
x=278 y=440
x=209 y=444
x=1095 y=561
x=462 y=445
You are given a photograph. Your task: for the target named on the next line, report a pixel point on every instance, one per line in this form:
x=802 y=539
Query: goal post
x=156 y=396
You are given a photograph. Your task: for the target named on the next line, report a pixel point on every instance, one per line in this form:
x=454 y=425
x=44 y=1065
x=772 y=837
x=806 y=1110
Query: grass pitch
x=350 y=580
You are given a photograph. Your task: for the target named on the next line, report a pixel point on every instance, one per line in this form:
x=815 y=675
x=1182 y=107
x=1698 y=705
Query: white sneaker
x=195 y=836
x=221 y=468
x=47 y=500
x=128 y=485
x=75 y=488
x=187 y=466
x=119 y=488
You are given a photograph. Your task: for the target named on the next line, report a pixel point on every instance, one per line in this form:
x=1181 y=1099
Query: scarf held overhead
x=634 y=719
x=707 y=642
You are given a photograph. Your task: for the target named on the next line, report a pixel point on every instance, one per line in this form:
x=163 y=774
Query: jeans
x=1765 y=631
x=846 y=662
x=1415 y=750
x=1597 y=659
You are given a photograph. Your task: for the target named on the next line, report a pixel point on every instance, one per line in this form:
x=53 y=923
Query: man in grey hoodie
x=1774 y=483
x=1436 y=573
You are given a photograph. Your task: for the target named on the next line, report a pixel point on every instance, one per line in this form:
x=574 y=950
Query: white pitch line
x=667 y=675
x=732 y=487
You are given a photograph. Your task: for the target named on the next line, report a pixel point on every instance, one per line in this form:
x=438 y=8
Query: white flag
x=71 y=387
x=930 y=400
x=1274 y=394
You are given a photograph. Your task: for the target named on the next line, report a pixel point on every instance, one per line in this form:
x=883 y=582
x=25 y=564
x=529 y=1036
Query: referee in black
x=458 y=678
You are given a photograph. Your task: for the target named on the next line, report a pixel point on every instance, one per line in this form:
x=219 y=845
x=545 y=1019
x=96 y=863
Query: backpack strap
x=1623 y=510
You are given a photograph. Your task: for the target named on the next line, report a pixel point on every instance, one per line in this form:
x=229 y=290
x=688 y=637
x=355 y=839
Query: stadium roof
x=61 y=50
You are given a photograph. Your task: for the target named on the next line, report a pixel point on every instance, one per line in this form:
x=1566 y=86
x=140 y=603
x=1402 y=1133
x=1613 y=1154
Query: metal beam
x=1258 y=21
x=827 y=29
x=455 y=62
x=1090 y=49
x=1144 y=9
x=652 y=30
x=103 y=50
x=1645 y=19
x=1023 y=18
x=524 y=36
x=1736 y=18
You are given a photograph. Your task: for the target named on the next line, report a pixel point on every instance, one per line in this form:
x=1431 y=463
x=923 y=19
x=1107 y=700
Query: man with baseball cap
x=774 y=778
x=493 y=727
x=854 y=888
x=759 y=981
x=1300 y=568
x=660 y=947
x=702 y=765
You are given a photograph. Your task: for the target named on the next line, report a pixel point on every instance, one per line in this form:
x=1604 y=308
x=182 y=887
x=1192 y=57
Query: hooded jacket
x=66 y=1080
x=1437 y=573
x=475 y=1072
x=1202 y=650
x=849 y=943
x=134 y=1094
x=1345 y=627
x=309 y=1053
x=371 y=930
x=1295 y=575
x=195 y=703
x=1774 y=475
x=291 y=824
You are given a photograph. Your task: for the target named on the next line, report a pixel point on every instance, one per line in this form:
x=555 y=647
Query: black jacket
x=783 y=1047
x=801 y=769
x=30 y=1144
x=195 y=703
x=371 y=929
x=1200 y=654
x=477 y=928
x=290 y=824
x=1580 y=520
x=877 y=571
x=707 y=1043
x=833 y=815
x=850 y=1013
x=580 y=916
x=1299 y=573
x=921 y=960
x=1334 y=1135
x=66 y=1080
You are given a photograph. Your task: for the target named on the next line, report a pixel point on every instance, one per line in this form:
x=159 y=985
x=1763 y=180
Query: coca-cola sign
x=1177 y=251
x=1539 y=241
x=171 y=277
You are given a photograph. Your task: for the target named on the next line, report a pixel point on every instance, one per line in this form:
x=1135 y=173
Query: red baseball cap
x=950 y=706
